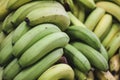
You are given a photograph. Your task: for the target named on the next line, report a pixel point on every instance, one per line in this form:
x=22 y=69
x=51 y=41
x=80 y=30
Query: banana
x=94 y=17
x=20 y=31
x=84 y=34
x=6 y=52
x=57 y=72
x=117 y=2
x=2 y=37
x=103 y=26
x=101 y=75
x=110 y=7
x=76 y=58
x=114 y=29
x=89 y=3
x=43 y=47
x=53 y=15
x=7 y=26
x=40 y=67
x=1 y=73
x=96 y=59
x=11 y=70
x=114 y=63
x=33 y=36
x=113 y=45
x=26 y=9
x=14 y=4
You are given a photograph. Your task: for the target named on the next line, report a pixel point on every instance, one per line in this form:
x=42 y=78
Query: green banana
x=84 y=34
x=6 y=51
x=11 y=70
x=33 y=36
x=53 y=15
x=114 y=45
x=14 y=4
x=76 y=58
x=103 y=27
x=26 y=9
x=43 y=47
x=96 y=59
x=58 y=72
x=89 y=3
x=110 y=7
x=114 y=29
x=34 y=71
x=1 y=73
x=20 y=31
x=7 y=26
x=94 y=17
x=2 y=37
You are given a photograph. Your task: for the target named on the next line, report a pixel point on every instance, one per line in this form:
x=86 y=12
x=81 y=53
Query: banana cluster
x=59 y=39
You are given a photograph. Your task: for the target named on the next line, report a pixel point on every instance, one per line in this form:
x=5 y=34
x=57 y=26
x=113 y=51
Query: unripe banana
x=76 y=58
x=96 y=59
x=94 y=17
x=34 y=71
x=57 y=72
x=33 y=36
x=110 y=7
x=103 y=26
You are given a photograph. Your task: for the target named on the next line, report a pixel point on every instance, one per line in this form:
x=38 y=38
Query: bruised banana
x=96 y=59
x=114 y=29
x=53 y=15
x=84 y=34
x=20 y=31
x=76 y=58
x=41 y=66
x=58 y=72
x=11 y=70
x=103 y=26
x=111 y=8
x=43 y=47
x=94 y=17
x=32 y=36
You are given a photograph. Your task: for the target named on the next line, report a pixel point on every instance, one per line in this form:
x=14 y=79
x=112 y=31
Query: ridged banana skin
x=11 y=70
x=53 y=15
x=33 y=6
x=114 y=63
x=111 y=8
x=33 y=36
x=33 y=72
x=89 y=3
x=96 y=59
x=43 y=47
x=1 y=73
x=76 y=58
x=103 y=26
x=113 y=45
x=57 y=72
x=84 y=34
x=114 y=29
x=12 y=5
x=20 y=31
x=94 y=17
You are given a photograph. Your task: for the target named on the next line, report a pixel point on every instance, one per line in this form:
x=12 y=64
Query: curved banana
x=96 y=59
x=20 y=31
x=103 y=26
x=11 y=70
x=57 y=72
x=43 y=47
x=85 y=35
x=76 y=58
x=94 y=17
x=32 y=36
x=110 y=7
x=114 y=29
x=34 y=71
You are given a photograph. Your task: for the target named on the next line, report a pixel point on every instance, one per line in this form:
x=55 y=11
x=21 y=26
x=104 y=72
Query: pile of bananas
x=59 y=39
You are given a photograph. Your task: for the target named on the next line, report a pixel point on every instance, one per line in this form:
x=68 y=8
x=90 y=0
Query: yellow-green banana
x=34 y=71
x=57 y=72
